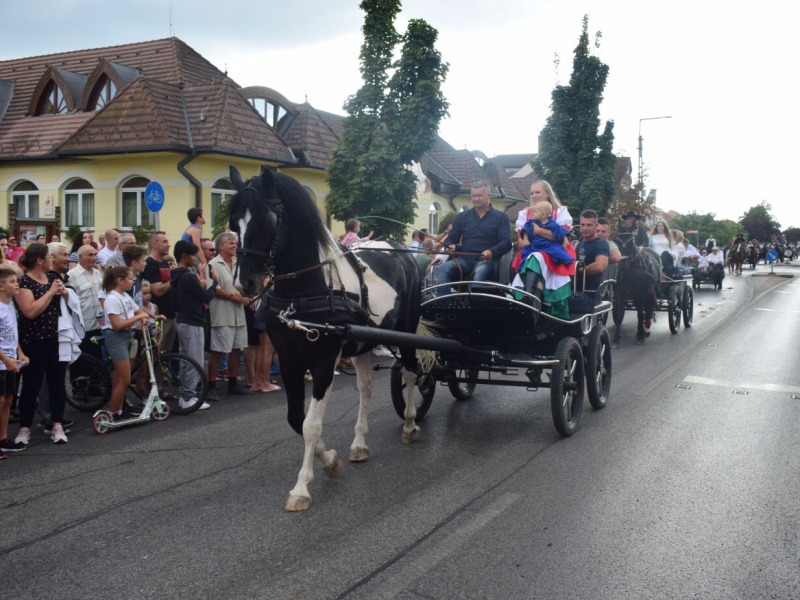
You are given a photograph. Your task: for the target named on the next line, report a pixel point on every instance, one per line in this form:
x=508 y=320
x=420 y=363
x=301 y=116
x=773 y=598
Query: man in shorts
x=228 y=326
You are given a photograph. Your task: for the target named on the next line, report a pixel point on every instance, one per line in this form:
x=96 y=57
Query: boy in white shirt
x=11 y=357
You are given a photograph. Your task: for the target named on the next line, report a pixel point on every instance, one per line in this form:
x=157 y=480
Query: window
x=106 y=90
x=26 y=200
x=134 y=210
x=53 y=101
x=79 y=204
x=433 y=218
x=221 y=191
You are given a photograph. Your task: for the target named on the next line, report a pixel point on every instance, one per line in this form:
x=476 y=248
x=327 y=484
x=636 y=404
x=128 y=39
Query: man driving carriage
x=483 y=232
x=632 y=228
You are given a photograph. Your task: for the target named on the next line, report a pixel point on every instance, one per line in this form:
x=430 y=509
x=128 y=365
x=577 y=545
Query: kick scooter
x=155 y=408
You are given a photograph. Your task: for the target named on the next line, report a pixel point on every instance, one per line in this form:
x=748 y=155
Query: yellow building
x=83 y=133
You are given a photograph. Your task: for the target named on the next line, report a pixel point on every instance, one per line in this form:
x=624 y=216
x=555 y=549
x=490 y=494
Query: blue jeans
x=448 y=271
x=581 y=300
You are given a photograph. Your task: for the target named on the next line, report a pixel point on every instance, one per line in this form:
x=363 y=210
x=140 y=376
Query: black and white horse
x=282 y=236
x=638 y=274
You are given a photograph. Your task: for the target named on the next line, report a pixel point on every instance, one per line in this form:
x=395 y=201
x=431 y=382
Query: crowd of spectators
x=54 y=299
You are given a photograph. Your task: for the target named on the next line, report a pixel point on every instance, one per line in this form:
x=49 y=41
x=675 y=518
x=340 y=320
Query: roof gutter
x=198 y=187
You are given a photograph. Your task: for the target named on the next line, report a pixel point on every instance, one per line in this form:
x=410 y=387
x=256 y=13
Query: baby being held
x=541 y=214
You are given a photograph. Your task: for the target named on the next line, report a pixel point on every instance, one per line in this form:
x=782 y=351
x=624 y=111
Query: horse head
x=255 y=213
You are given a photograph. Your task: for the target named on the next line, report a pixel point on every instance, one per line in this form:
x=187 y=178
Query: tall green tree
x=759 y=222
x=573 y=155
x=391 y=122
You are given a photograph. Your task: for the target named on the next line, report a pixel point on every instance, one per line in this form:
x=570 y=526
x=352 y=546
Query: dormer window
x=271 y=105
x=105 y=92
x=53 y=101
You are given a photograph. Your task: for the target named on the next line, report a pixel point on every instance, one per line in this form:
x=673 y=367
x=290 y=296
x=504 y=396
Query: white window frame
x=81 y=220
x=26 y=198
x=140 y=207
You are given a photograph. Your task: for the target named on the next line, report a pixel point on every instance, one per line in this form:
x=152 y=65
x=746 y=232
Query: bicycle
x=88 y=379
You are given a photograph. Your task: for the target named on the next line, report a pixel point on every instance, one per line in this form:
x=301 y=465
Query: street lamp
x=641 y=163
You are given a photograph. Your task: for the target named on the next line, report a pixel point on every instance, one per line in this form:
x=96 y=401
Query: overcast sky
x=725 y=71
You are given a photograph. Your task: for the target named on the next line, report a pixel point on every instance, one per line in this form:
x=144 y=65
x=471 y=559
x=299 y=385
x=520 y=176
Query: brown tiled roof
x=513 y=162
x=147 y=114
x=432 y=167
x=314 y=132
x=501 y=180
x=462 y=165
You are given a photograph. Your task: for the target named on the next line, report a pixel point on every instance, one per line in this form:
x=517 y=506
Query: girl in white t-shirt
x=121 y=314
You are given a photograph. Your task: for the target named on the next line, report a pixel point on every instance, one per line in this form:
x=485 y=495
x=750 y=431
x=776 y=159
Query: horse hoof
x=333 y=469
x=297 y=503
x=359 y=454
x=411 y=437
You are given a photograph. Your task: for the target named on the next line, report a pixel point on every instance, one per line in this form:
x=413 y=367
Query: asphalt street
x=684 y=486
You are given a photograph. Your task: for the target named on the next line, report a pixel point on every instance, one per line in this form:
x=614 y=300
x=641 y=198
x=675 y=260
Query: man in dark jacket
x=192 y=298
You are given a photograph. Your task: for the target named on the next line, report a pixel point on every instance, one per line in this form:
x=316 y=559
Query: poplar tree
x=391 y=121
x=574 y=156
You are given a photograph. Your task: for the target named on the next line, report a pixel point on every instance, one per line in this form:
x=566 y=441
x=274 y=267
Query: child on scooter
x=121 y=315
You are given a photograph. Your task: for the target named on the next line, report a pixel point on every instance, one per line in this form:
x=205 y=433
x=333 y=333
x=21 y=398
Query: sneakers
x=48 y=425
x=8 y=446
x=59 y=437
x=274 y=369
x=235 y=390
x=381 y=351
x=191 y=402
x=24 y=435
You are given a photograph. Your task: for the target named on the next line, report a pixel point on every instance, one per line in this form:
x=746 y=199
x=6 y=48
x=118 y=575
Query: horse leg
x=359 y=451
x=299 y=498
x=640 y=329
x=411 y=430
x=618 y=314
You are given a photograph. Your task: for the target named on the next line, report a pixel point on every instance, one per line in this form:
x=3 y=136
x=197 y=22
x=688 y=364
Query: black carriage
x=492 y=338
x=673 y=296
x=710 y=275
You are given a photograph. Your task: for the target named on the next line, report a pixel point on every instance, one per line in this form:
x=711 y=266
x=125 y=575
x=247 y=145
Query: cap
x=12 y=238
x=631 y=214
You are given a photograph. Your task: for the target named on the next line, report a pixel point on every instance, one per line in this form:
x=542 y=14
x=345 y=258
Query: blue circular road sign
x=772 y=256
x=154 y=196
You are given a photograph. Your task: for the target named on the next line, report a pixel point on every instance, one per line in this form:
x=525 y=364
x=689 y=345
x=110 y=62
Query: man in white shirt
x=112 y=237
x=87 y=283
x=716 y=265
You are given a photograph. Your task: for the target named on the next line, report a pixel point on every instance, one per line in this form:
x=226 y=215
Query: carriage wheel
x=566 y=386
x=460 y=390
x=423 y=395
x=674 y=309
x=618 y=308
x=598 y=367
x=688 y=307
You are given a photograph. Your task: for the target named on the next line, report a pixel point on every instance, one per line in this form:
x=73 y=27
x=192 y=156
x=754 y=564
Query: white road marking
x=769 y=387
x=779 y=311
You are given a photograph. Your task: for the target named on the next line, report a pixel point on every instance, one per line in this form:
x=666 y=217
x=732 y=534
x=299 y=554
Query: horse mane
x=301 y=217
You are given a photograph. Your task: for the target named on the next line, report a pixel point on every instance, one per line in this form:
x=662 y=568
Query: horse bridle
x=276 y=206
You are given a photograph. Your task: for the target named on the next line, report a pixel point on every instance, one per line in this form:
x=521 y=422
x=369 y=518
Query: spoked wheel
x=688 y=307
x=674 y=309
x=88 y=383
x=183 y=378
x=598 y=367
x=101 y=421
x=566 y=386
x=160 y=412
x=463 y=390
x=423 y=395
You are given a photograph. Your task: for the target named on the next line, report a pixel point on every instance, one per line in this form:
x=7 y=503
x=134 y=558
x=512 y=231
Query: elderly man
x=156 y=271
x=87 y=282
x=209 y=251
x=112 y=240
x=228 y=325
x=483 y=231
x=124 y=240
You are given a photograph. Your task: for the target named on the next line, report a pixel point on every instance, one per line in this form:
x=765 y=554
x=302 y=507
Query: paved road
x=670 y=492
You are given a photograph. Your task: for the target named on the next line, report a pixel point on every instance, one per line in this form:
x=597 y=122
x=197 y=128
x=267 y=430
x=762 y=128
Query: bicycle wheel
x=185 y=386
x=88 y=383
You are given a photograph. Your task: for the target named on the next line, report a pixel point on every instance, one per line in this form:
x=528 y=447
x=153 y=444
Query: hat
x=704 y=251
x=12 y=238
x=631 y=214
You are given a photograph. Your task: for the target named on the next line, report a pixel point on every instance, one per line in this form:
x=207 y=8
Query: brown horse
x=737 y=255
x=752 y=256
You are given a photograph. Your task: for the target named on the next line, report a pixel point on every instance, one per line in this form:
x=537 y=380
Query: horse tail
x=426 y=359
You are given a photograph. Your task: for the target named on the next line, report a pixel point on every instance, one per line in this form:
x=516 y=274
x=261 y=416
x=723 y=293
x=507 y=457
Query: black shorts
x=8 y=383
